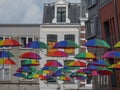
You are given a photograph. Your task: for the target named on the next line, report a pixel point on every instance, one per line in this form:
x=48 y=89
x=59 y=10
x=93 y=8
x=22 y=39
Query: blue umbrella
x=66 y=44
x=112 y=54
x=58 y=73
x=27 y=69
x=19 y=74
x=6 y=54
x=37 y=45
x=97 y=43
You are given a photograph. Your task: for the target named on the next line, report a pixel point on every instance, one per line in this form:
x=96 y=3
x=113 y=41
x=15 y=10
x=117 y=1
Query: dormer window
x=61 y=14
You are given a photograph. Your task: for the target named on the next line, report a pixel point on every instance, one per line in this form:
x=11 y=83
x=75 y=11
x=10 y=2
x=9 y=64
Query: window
x=4 y=72
x=70 y=37
x=51 y=41
x=92 y=27
x=91 y=3
x=25 y=40
x=61 y=14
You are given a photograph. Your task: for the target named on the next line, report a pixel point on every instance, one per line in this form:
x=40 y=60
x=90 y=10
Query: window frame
x=27 y=37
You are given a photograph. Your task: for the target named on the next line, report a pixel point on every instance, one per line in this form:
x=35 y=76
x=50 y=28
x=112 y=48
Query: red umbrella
x=53 y=63
x=105 y=71
x=9 y=42
x=30 y=55
x=58 y=53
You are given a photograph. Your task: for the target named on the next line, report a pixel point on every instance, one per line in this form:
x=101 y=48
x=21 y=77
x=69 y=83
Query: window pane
x=30 y=39
x=23 y=41
x=61 y=14
x=6 y=73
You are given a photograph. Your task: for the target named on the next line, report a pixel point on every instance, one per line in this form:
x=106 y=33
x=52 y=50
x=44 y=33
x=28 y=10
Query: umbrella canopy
x=75 y=74
x=27 y=69
x=53 y=63
x=19 y=74
x=77 y=64
x=7 y=61
x=112 y=54
x=9 y=42
x=66 y=44
x=58 y=53
x=31 y=62
x=49 y=68
x=43 y=72
x=91 y=67
x=100 y=63
x=58 y=73
x=42 y=77
x=30 y=55
x=105 y=71
x=6 y=54
x=85 y=55
x=117 y=45
x=32 y=76
x=97 y=43
x=64 y=78
x=37 y=45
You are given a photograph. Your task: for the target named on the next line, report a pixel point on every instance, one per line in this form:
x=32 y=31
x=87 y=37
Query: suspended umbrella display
x=112 y=54
x=6 y=54
x=97 y=43
x=9 y=42
x=37 y=45
x=30 y=55
x=19 y=74
x=77 y=64
x=66 y=44
x=101 y=63
x=85 y=55
x=53 y=63
x=30 y=62
x=7 y=61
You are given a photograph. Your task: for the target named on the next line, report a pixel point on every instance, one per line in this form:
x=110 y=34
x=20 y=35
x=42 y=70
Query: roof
x=73 y=12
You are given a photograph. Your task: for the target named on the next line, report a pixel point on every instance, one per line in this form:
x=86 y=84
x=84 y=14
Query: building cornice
x=19 y=25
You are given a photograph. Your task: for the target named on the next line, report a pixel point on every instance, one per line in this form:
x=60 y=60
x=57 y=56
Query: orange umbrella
x=7 y=61
x=9 y=42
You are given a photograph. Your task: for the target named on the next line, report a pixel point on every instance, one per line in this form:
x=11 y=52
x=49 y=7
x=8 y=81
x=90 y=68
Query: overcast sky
x=23 y=11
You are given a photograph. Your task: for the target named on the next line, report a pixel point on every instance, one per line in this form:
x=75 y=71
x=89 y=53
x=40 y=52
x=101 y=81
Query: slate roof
x=73 y=13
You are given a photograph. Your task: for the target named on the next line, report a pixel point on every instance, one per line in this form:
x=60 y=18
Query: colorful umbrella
x=32 y=76
x=75 y=74
x=43 y=72
x=85 y=55
x=117 y=45
x=91 y=67
x=112 y=54
x=31 y=62
x=77 y=64
x=101 y=63
x=64 y=78
x=49 y=68
x=27 y=69
x=66 y=44
x=7 y=61
x=97 y=43
x=58 y=73
x=37 y=45
x=9 y=42
x=19 y=74
x=58 y=54
x=6 y=54
x=105 y=71
x=53 y=63
x=42 y=77
x=30 y=55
